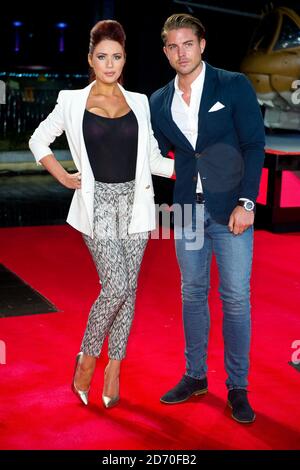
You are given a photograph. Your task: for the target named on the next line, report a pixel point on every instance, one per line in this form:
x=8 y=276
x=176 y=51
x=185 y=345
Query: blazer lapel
x=80 y=106
x=139 y=111
x=168 y=118
x=207 y=100
x=87 y=181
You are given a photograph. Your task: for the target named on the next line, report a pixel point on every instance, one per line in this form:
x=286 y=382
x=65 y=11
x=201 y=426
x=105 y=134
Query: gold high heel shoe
x=82 y=394
x=108 y=402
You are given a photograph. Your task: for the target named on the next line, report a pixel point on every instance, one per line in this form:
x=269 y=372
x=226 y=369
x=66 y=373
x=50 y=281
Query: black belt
x=200 y=198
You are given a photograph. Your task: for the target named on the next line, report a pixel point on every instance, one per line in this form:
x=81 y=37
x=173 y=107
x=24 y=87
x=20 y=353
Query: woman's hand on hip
x=72 y=180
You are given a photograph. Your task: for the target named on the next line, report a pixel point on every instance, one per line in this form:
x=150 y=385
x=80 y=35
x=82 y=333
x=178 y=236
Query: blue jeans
x=234 y=259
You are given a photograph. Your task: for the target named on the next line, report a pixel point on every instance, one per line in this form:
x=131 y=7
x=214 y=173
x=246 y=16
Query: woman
x=112 y=144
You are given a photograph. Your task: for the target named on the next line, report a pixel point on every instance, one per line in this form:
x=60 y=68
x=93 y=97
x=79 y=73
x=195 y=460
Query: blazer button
x=197 y=155
x=148 y=186
x=194 y=178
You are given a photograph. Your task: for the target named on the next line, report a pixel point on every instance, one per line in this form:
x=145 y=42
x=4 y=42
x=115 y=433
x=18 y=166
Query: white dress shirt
x=186 y=116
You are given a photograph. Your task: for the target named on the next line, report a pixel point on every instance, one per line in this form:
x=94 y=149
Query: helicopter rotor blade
x=189 y=5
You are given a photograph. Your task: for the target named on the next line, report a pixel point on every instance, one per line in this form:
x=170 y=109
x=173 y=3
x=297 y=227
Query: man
x=211 y=119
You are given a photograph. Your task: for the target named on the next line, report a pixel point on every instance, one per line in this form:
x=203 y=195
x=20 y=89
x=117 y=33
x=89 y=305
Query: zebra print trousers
x=117 y=256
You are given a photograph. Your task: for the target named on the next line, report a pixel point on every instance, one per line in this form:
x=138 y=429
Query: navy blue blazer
x=229 y=152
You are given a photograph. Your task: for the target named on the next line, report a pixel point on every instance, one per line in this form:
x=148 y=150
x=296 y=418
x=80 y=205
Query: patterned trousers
x=117 y=256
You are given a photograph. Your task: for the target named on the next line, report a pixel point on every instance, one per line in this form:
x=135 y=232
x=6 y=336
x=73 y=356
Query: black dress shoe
x=187 y=387
x=241 y=409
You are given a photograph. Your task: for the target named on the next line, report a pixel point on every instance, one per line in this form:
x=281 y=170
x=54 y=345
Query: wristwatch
x=247 y=205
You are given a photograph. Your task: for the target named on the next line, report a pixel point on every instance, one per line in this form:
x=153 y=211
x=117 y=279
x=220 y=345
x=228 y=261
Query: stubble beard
x=190 y=71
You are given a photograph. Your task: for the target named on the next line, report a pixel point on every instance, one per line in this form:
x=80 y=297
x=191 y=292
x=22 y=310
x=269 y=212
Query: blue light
x=17 y=25
x=61 y=25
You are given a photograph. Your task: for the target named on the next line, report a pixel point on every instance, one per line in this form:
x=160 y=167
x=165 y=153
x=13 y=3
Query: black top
x=111 y=145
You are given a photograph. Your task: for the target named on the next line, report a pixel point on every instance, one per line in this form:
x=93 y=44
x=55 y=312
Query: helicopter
x=272 y=63
x=273 y=66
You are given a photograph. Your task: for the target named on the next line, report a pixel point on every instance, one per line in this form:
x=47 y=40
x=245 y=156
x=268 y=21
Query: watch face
x=249 y=205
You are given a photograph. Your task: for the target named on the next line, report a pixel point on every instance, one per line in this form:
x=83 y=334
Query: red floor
x=38 y=409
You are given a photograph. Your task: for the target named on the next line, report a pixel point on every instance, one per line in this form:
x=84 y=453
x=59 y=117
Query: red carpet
x=38 y=409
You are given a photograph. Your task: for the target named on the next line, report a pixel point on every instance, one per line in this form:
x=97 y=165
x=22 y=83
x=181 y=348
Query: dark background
x=228 y=35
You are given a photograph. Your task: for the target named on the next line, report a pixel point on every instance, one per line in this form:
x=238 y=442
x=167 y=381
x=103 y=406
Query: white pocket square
x=216 y=107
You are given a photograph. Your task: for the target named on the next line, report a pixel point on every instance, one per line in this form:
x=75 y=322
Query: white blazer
x=68 y=116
